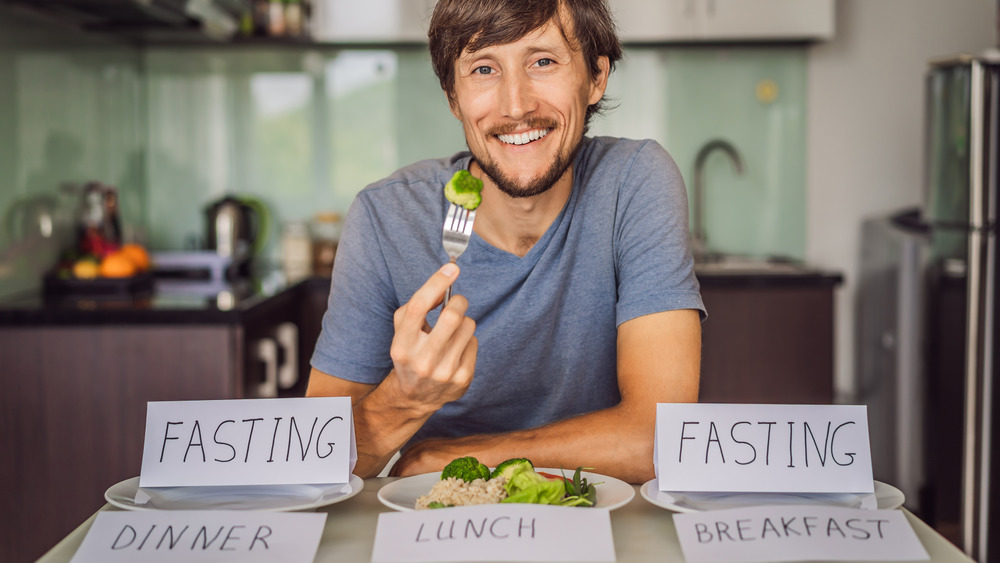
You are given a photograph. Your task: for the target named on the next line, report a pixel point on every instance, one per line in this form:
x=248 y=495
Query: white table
x=642 y=532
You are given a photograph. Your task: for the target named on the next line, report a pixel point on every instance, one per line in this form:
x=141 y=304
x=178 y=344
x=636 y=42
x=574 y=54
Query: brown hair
x=457 y=25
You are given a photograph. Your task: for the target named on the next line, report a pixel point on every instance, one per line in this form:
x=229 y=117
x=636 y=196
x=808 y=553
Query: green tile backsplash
x=71 y=111
x=753 y=97
x=303 y=129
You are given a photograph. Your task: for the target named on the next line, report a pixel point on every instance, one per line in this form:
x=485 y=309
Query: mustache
x=532 y=123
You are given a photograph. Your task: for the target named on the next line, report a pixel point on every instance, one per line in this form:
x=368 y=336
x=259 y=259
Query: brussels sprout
x=464 y=189
x=467 y=469
x=506 y=468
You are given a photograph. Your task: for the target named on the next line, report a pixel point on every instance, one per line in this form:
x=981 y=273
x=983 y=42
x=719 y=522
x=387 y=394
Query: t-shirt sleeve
x=360 y=296
x=655 y=268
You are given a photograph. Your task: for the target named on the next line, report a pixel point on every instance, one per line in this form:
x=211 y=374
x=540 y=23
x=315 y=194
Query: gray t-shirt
x=546 y=322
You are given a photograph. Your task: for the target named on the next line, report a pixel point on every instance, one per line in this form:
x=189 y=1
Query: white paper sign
x=248 y=442
x=763 y=448
x=801 y=533
x=495 y=532
x=202 y=535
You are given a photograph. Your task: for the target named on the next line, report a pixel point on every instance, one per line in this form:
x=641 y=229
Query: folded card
x=495 y=532
x=797 y=533
x=763 y=448
x=202 y=535
x=248 y=442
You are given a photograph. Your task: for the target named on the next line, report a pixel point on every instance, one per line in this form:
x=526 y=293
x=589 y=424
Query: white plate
x=885 y=497
x=402 y=494
x=234 y=497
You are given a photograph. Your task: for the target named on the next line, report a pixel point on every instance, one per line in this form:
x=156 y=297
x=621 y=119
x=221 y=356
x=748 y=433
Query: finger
x=467 y=363
x=397 y=319
x=413 y=314
x=431 y=341
x=460 y=342
x=449 y=320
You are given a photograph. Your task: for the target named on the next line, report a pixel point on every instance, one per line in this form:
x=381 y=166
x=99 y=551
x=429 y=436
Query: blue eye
x=483 y=70
x=544 y=62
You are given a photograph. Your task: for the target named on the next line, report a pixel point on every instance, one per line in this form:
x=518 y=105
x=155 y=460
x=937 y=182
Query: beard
x=534 y=186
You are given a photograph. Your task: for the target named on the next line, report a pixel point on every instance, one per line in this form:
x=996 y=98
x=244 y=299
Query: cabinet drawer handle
x=288 y=338
x=267 y=353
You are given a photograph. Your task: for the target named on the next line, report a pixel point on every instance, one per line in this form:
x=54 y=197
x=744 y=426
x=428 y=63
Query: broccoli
x=506 y=468
x=467 y=469
x=463 y=189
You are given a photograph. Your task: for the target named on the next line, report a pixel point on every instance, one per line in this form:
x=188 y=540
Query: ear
x=453 y=106
x=600 y=83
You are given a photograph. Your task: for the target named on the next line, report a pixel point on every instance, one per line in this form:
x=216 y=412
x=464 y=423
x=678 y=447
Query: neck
x=515 y=224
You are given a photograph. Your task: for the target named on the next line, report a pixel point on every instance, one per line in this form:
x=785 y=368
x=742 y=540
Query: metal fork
x=455 y=235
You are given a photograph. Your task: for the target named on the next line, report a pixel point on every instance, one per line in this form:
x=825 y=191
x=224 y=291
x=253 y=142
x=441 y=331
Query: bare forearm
x=613 y=442
x=382 y=423
x=381 y=427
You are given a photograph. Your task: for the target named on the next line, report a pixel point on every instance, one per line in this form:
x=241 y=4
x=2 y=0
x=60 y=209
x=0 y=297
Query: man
x=577 y=309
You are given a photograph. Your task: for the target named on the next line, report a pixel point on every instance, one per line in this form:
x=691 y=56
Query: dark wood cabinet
x=73 y=411
x=768 y=343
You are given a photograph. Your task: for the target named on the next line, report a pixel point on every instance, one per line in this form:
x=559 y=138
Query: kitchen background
x=831 y=130
x=829 y=121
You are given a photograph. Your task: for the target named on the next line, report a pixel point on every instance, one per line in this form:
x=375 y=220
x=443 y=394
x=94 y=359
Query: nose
x=516 y=97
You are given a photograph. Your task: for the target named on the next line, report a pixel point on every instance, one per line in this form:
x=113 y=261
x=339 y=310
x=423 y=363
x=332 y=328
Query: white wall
x=865 y=137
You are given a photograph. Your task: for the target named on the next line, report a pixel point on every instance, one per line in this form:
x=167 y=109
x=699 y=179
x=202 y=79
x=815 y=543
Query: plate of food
x=465 y=481
x=885 y=497
x=128 y=495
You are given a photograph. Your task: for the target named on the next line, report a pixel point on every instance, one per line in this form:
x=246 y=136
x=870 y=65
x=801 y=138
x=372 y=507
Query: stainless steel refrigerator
x=961 y=209
x=928 y=305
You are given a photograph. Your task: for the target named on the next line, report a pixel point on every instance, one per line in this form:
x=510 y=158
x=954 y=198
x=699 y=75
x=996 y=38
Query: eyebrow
x=558 y=48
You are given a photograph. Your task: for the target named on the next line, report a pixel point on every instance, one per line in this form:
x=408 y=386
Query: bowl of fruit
x=116 y=271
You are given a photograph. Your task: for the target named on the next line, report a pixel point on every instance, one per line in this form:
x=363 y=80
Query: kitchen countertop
x=642 y=532
x=171 y=302
x=749 y=273
x=175 y=302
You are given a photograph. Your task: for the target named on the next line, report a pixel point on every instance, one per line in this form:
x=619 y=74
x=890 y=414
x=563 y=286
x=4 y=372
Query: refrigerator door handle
x=981 y=280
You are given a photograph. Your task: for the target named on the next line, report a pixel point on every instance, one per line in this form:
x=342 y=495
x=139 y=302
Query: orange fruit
x=85 y=269
x=118 y=265
x=137 y=254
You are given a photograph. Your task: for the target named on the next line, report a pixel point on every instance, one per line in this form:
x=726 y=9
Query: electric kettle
x=31 y=218
x=236 y=228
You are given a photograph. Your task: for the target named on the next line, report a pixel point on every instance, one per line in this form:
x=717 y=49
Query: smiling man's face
x=523 y=107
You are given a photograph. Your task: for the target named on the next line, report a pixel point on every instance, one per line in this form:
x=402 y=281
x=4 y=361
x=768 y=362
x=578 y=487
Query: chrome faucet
x=698 y=242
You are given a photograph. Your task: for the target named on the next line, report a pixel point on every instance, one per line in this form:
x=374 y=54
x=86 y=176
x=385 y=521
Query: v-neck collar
x=481 y=245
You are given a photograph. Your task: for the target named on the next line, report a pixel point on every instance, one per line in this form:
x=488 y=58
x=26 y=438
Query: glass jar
x=326 y=229
x=296 y=251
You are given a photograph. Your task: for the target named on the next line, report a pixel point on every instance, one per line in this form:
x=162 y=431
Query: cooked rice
x=456 y=492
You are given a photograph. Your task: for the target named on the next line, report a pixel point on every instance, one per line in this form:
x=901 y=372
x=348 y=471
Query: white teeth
x=523 y=138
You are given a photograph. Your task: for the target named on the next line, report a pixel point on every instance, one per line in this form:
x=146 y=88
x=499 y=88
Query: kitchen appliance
x=889 y=340
x=31 y=218
x=963 y=149
x=947 y=255
x=236 y=229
